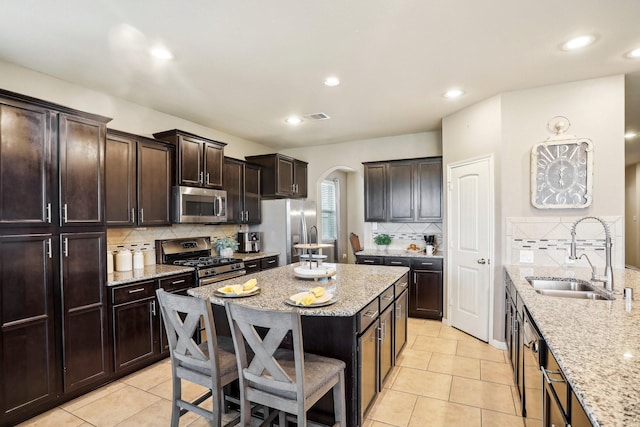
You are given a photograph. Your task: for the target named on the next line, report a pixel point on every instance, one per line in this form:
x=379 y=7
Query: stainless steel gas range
x=196 y=252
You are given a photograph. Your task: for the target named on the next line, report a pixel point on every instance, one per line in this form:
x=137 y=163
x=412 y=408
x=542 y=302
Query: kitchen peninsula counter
x=369 y=299
x=595 y=342
x=355 y=285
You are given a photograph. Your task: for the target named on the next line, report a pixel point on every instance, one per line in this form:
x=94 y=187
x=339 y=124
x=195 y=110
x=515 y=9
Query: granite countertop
x=148 y=272
x=254 y=255
x=399 y=253
x=596 y=342
x=355 y=287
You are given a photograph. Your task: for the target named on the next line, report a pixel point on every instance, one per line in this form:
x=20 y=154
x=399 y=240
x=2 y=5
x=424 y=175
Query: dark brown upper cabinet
x=282 y=176
x=198 y=159
x=138 y=176
x=403 y=190
x=242 y=183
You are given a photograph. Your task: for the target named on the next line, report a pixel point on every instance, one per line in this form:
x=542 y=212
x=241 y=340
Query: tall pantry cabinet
x=53 y=318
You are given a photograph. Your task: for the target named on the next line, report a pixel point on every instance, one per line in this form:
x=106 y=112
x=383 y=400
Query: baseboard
x=501 y=345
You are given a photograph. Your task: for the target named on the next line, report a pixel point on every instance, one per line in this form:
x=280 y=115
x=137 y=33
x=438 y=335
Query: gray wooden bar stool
x=289 y=381
x=211 y=364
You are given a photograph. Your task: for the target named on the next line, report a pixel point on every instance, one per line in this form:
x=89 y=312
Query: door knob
x=482 y=261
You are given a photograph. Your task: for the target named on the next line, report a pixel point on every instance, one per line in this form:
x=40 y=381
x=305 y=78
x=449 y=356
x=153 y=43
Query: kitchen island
x=364 y=295
x=595 y=342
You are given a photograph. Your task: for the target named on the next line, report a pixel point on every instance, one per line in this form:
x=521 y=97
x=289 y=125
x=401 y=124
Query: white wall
x=509 y=125
x=127 y=116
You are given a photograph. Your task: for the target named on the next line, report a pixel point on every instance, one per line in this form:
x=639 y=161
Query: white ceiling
x=243 y=66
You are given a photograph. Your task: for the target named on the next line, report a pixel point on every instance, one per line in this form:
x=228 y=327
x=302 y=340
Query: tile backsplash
x=545 y=241
x=403 y=234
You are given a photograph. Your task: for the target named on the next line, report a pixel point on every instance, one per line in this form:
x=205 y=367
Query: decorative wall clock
x=561 y=169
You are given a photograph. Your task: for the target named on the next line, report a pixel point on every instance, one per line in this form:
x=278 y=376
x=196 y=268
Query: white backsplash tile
x=403 y=234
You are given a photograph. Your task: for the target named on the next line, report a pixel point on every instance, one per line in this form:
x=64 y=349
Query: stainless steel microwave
x=198 y=205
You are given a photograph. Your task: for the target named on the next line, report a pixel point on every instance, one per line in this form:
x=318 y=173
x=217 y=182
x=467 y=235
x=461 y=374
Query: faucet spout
x=607 y=278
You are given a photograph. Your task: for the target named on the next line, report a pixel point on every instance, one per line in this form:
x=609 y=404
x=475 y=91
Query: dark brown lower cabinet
x=86 y=355
x=400 y=322
x=29 y=376
x=426 y=294
x=255 y=265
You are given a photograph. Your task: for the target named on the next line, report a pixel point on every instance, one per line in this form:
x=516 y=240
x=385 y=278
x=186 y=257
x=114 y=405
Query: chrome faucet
x=607 y=278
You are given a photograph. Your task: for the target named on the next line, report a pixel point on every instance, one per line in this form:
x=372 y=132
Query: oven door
x=221 y=277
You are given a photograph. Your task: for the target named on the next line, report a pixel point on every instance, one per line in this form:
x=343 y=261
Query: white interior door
x=470 y=230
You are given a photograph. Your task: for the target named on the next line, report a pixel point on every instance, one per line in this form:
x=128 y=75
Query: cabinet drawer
x=386 y=298
x=401 y=284
x=427 y=264
x=368 y=315
x=133 y=292
x=403 y=261
x=252 y=266
x=269 y=262
x=173 y=283
x=373 y=260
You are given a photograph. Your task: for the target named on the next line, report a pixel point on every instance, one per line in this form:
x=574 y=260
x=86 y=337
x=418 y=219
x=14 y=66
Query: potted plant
x=226 y=246
x=382 y=240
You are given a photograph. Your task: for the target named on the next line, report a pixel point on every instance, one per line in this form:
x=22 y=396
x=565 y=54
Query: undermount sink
x=565 y=288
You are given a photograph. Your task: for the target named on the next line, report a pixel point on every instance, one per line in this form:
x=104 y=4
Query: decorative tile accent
x=404 y=234
x=142 y=236
x=549 y=238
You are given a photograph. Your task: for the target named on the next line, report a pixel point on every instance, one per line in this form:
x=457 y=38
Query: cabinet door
x=368 y=367
x=120 y=177
x=426 y=294
x=25 y=164
x=400 y=325
x=253 y=214
x=386 y=344
x=300 y=171
x=27 y=342
x=252 y=266
x=375 y=192
x=213 y=155
x=429 y=190
x=154 y=184
x=190 y=168
x=233 y=186
x=81 y=171
x=135 y=325
x=401 y=191
x=285 y=177
x=86 y=355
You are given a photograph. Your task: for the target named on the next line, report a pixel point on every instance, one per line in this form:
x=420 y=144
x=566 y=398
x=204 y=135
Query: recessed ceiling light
x=331 y=81
x=161 y=52
x=630 y=135
x=579 y=42
x=453 y=93
x=634 y=54
x=293 y=120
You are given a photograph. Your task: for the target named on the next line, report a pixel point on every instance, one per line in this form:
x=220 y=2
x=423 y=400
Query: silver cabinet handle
x=395 y=262
x=549 y=380
x=64 y=213
x=371 y=314
x=135 y=291
x=141 y=215
x=398 y=310
x=65 y=246
x=207 y=178
x=133 y=215
x=380 y=337
x=48 y=214
x=482 y=261
x=49 y=247
x=426 y=263
x=252 y=265
x=201 y=177
x=388 y=297
x=367 y=261
x=271 y=261
x=403 y=285
x=153 y=308
x=175 y=282
x=246 y=216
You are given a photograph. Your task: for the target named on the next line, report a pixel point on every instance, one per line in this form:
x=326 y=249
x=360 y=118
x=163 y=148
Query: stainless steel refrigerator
x=285 y=223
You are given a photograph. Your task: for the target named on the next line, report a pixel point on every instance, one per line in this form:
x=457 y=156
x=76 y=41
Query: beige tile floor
x=443 y=378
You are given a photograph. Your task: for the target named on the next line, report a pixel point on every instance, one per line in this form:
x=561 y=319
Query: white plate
x=313 y=273
x=221 y=294
x=326 y=299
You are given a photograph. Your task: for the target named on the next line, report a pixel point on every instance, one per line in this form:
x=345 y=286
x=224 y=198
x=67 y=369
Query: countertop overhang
x=596 y=342
x=356 y=286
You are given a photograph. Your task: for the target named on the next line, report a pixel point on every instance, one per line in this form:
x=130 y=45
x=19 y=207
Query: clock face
x=561 y=174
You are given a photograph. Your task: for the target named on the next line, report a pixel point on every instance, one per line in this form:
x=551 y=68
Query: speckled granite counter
x=596 y=342
x=356 y=286
x=399 y=253
x=254 y=256
x=148 y=272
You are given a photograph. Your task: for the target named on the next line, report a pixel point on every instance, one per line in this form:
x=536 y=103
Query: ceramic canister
x=124 y=260
x=109 y=262
x=138 y=260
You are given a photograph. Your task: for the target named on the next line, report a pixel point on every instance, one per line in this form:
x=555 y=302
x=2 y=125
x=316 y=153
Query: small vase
x=382 y=247
x=226 y=253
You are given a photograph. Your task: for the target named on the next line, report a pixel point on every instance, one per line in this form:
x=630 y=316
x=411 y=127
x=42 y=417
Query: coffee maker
x=248 y=241
x=430 y=240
